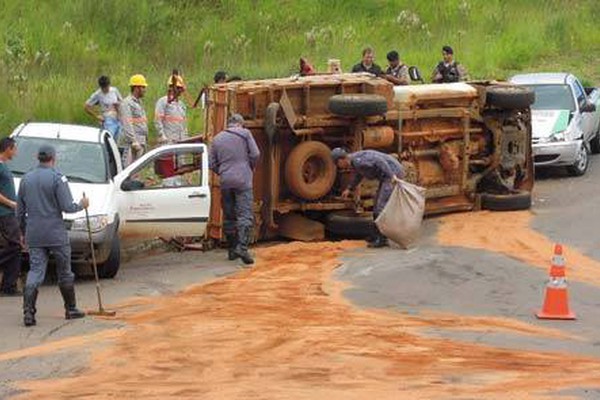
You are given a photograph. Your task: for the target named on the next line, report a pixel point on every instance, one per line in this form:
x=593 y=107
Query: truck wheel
x=309 y=170
x=348 y=224
x=521 y=200
x=510 y=97
x=595 y=143
x=581 y=164
x=110 y=267
x=358 y=104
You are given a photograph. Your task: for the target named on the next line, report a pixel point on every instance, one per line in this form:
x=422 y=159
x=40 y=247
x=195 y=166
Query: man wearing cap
x=134 y=121
x=233 y=156
x=371 y=164
x=10 y=235
x=397 y=71
x=448 y=70
x=43 y=196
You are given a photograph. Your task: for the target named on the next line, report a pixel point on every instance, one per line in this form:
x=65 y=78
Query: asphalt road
x=428 y=278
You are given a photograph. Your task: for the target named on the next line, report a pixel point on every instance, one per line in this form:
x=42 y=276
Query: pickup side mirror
x=415 y=74
x=588 y=107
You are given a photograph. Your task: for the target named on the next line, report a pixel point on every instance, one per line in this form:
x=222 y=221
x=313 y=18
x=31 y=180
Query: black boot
x=231 y=244
x=68 y=295
x=29 y=299
x=378 y=240
x=241 y=250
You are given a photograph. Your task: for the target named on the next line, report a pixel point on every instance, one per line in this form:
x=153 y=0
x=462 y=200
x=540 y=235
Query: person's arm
x=253 y=151
x=89 y=107
x=159 y=115
x=384 y=168
x=462 y=73
x=64 y=196
x=7 y=202
x=21 y=207
x=403 y=76
x=127 y=126
x=355 y=181
x=436 y=76
x=393 y=79
x=213 y=159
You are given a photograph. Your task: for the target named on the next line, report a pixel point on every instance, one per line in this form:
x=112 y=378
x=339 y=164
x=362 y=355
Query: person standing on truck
x=108 y=98
x=371 y=164
x=448 y=70
x=135 y=123
x=44 y=195
x=234 y=156
x=367 y=63
x=397 y=71
x=10 y=235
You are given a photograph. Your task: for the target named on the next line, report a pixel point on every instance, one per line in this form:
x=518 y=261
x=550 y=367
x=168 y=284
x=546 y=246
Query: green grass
x=54 y=50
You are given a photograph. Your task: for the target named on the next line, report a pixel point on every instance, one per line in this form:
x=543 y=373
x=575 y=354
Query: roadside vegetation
x=53 y=51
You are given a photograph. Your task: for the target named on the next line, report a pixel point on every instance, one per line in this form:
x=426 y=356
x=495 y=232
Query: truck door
x=165 y=193
x=587 y=118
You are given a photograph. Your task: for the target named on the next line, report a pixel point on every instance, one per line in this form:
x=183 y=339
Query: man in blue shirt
x=10 y=235
x=43 y=196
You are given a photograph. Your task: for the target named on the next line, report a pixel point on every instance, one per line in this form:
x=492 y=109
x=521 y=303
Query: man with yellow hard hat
x=170 y=112
x=134 y=121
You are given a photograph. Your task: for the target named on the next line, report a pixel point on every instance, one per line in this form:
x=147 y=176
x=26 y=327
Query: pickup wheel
x=309 y=170
x=520 y=200
x=348 y=224
x=580 y=166
x=110 y=267
x=358 y=104
x=509 y=97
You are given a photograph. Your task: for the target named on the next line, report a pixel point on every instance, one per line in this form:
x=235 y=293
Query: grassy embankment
x=53 y=51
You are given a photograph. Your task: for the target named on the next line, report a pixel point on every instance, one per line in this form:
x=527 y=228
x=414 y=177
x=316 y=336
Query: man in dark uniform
x=10 y=236
x=233 y=156
x=397 y=71
x=448 y=70
x=367 y=64
x=371 y=164
x=43 y=196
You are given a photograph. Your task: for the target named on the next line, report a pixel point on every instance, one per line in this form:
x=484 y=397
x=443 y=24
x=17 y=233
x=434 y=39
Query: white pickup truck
x=164 y=193
x=565 y=120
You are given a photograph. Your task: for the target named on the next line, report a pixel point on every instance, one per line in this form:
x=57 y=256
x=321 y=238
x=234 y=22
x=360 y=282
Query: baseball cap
x=47 y=151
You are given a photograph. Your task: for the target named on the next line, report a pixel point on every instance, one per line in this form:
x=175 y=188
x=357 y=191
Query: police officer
x=233 y=156
x=43 y=196
x=371 y=164
x=133 y=120
x=448 y=70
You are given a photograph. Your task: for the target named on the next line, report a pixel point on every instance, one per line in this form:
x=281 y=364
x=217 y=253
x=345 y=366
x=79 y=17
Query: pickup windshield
x=552 y=97
x=78 y=161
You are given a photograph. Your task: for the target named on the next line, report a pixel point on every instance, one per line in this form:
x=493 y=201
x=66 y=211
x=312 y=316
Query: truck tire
x=309 y=170
x=348 y=224
x=358 y=104
x=110 y=267
x=509 y=97
x=521 y=200
x=582 y=163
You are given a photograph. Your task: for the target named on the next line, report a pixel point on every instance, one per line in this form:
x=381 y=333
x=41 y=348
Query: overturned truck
x=468 y=144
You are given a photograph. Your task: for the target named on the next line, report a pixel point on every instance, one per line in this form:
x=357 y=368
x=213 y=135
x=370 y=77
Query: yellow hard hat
x=178 y=81
x=138 y=80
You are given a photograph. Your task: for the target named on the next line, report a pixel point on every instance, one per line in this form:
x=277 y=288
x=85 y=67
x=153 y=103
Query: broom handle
x=89 y=229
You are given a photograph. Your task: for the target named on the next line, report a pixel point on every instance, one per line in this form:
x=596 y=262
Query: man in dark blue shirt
x=43 y=196
x=371 y=164
x=10 y=236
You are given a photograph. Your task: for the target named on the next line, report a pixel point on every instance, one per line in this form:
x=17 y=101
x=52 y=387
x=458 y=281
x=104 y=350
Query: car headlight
x=97 y=223
x=558 y=137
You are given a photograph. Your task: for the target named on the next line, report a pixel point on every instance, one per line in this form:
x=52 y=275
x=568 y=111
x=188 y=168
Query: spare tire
x=520 y=200
x=309 y=170
x=510 y=97
x=358 y=104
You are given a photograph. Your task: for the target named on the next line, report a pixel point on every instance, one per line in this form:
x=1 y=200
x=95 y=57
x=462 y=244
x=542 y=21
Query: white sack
x=401 y=217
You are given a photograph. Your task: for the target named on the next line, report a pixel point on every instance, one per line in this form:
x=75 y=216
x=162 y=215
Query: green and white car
x=565 y=120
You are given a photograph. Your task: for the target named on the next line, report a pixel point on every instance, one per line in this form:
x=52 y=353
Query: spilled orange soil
x=510 y=233
x=283 y=330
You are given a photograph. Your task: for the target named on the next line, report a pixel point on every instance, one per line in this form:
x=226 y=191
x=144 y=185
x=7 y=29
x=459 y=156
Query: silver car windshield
x=78 y=161
x=552 y=97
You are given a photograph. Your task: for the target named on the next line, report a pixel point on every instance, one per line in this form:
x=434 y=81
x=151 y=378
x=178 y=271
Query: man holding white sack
x=371 y=164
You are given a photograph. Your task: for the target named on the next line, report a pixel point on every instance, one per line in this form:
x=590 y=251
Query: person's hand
x=85 y=202
x=163 y=139
x=22 y=241
x=136 y=146
x=13 y=205
x=346 y=194
x=395 y=179
x=100 y=119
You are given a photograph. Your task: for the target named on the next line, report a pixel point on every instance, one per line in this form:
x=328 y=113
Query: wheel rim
x=582 y=159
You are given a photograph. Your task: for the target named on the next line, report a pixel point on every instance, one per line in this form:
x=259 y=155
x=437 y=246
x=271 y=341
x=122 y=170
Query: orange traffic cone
x=556 y=301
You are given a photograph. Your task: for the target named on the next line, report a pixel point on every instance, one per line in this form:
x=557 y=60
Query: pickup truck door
x=165 y=193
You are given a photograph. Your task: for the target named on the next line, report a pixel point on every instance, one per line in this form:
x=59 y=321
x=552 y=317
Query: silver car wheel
x=582 y=159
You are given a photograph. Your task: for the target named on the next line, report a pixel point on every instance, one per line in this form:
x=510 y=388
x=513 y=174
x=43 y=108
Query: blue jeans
x=38 y=263
x=113 y=126
x=237 y=210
